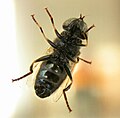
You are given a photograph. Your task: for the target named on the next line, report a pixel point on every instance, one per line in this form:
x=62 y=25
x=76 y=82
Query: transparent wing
x=49 y=50
x=58 y=93
x=31 y=80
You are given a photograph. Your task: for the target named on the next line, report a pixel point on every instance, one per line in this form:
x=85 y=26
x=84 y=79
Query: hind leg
x=31 y=67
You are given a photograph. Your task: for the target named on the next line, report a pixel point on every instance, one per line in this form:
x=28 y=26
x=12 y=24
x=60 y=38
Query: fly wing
x=31 y=81
x=49 y=50
x=58 y=93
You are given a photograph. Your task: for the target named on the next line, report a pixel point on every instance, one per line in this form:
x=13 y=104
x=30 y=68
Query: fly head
x=76 y=26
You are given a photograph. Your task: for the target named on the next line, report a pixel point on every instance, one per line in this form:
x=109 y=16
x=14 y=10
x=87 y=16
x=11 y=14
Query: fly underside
x=57 y=65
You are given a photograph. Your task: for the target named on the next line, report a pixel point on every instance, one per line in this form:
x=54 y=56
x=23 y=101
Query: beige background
x=96 y=90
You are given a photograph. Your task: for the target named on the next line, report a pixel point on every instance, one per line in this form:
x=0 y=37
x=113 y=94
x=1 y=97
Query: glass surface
x=95 y=92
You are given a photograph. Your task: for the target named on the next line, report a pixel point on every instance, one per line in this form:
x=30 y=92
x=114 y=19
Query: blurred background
x=95 y=92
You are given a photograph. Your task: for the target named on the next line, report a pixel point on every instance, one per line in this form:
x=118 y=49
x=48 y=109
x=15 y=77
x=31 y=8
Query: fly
x=55 y=67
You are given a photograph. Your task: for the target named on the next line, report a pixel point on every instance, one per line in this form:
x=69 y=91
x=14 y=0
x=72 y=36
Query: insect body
x=56 y=66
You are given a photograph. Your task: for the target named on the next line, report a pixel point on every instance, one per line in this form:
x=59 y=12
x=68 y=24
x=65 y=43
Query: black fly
x=56 y=66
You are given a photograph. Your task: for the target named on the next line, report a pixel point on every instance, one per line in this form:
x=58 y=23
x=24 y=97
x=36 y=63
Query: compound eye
x=68 y=24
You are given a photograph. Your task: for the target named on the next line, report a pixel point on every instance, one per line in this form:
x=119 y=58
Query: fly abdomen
x=49 y=78
x=43 y=87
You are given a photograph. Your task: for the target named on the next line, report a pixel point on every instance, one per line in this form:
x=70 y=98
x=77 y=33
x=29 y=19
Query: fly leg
x=31 y=67
x=84 y=34
x=65 y=96
x=78 y=58
x=68 y=87
x=70 y=76
x=89 y=28
x=50 y=42
x=53 y=24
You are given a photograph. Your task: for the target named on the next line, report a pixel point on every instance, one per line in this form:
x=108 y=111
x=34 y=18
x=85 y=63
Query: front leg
x=78 y=58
